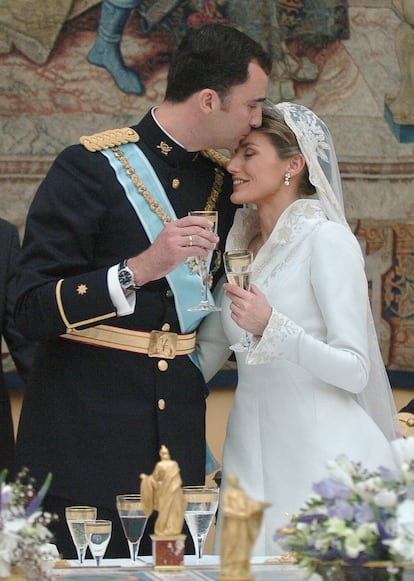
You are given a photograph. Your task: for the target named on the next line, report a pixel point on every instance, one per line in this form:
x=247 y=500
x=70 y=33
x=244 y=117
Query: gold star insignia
x=82 y=289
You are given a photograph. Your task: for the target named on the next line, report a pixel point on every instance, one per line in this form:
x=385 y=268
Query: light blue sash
x=184 y=284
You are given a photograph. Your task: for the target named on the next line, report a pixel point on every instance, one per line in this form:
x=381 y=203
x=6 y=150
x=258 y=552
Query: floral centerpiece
x=357 y=517
x=24 y=535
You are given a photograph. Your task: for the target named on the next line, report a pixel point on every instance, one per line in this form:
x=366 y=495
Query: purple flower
x=342 y=509
x=330 y=488
x=364 y=513
x=307 y=518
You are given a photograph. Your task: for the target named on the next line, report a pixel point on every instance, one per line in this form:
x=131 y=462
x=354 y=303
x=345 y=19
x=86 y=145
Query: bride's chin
x=237 y=198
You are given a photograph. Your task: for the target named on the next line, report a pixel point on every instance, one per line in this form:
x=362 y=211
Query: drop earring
x=287 y=178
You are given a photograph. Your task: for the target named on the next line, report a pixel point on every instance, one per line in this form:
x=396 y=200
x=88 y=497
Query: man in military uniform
x=104 y=275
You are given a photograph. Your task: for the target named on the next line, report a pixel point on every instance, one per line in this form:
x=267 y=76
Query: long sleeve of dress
x=339 y=356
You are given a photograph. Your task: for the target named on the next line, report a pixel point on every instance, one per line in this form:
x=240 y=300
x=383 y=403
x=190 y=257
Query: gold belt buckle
x=162 y=344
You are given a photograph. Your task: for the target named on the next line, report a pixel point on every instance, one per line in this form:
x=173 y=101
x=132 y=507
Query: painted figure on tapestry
x=286 y=28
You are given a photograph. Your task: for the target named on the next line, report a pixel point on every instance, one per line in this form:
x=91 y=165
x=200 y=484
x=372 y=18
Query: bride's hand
x=249 y=309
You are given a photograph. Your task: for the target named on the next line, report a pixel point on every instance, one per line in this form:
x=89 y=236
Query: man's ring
x=190 y=240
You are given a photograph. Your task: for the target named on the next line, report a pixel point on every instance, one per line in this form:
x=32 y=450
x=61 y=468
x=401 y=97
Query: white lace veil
x=316 y=145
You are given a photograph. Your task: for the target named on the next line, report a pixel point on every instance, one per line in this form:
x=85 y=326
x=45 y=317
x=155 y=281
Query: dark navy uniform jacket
x=96 y=417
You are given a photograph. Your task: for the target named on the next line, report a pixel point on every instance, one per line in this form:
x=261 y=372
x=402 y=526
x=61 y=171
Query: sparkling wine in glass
x=76 y=516
x=203 y=263
x=201 y=508
x=133 y=519
x=238 y=267
x=98 y=535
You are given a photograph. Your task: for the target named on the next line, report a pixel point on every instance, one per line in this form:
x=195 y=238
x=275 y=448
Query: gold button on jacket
x=161 y=404
x=162 y=365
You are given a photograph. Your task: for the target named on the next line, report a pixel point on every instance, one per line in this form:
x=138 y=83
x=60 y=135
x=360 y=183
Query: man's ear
x=209 y=101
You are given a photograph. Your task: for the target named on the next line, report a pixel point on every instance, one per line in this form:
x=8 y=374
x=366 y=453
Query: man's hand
x=178 y=240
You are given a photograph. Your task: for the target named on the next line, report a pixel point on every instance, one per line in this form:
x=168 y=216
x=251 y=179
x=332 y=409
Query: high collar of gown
x=294 y=220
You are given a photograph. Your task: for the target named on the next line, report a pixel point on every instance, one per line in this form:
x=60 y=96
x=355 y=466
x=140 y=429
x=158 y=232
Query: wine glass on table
x=201 y=508
x=76 y=516
x=133 y=520
x=203 y=263
x=98 y=535
x=238 y=267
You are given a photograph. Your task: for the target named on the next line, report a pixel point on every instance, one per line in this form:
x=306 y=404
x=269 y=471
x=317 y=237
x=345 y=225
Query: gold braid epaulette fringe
x=109 y=138
x=216 y=156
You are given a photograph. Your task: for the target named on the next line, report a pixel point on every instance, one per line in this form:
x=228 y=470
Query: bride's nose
x=232 y=166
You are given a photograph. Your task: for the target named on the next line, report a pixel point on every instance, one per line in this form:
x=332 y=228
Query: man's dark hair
x=213 y=56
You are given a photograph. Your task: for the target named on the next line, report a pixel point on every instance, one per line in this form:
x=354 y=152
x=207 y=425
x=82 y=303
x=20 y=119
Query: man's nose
x=256 y=119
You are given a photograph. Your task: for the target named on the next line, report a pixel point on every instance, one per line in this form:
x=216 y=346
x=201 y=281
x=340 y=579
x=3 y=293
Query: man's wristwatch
x=126 y=277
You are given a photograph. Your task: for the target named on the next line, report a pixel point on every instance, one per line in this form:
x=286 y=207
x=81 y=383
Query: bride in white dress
x=312 y=384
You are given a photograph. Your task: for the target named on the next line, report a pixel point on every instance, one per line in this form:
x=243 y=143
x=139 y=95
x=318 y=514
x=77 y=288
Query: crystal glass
x=201 y=508
x=98 y=534
x=238 y=267
x=203 y=263
x=75 y=519
x=133 y=519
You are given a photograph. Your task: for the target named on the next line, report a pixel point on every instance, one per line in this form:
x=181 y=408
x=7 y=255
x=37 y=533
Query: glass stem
x=200 y=545
x=133 y=550
x=204 y=281
x=81 y=555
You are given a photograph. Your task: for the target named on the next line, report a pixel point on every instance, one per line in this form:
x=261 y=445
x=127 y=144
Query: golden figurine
x=242 y=518
x=161 y=491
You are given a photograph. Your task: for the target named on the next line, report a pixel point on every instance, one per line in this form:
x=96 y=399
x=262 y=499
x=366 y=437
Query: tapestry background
x=337 y=57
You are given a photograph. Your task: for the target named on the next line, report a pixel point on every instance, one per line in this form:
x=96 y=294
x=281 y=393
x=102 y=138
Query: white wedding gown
x=294 y=407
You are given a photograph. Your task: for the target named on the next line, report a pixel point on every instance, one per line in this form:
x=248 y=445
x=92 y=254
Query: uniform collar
x=162 y=144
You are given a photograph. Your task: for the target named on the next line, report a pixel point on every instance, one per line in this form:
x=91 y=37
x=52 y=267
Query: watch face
x=124 y=277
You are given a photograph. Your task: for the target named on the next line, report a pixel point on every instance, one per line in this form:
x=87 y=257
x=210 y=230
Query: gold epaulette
x=216 y=156
x=109 y=138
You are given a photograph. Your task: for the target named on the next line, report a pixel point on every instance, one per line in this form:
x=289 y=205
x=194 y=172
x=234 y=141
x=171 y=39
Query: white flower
x=336 y=526
x=342 y=470
x=369 y=488
x=353 y=545
x=23 y=529
x=405 y=518
x=403 y=451
x=402 y=548
x=367 y=531
x=386 y=498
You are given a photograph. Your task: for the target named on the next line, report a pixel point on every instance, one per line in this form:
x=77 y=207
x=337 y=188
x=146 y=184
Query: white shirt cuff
x=124 y=305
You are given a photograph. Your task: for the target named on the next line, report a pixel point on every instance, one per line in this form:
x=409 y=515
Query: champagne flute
x=203 y=263
x=75 y=519
x=202 y=502
x=133 y=519
x=238 y=267
x=98 y=535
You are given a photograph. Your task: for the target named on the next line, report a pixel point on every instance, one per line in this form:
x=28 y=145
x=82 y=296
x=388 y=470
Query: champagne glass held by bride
x=203 y=263
x=238 y=267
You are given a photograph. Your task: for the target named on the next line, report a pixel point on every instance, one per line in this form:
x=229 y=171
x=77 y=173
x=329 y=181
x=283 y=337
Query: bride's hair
x=284 y=141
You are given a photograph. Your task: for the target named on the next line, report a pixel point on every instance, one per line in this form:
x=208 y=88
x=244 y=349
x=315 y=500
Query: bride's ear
x=296 y=164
